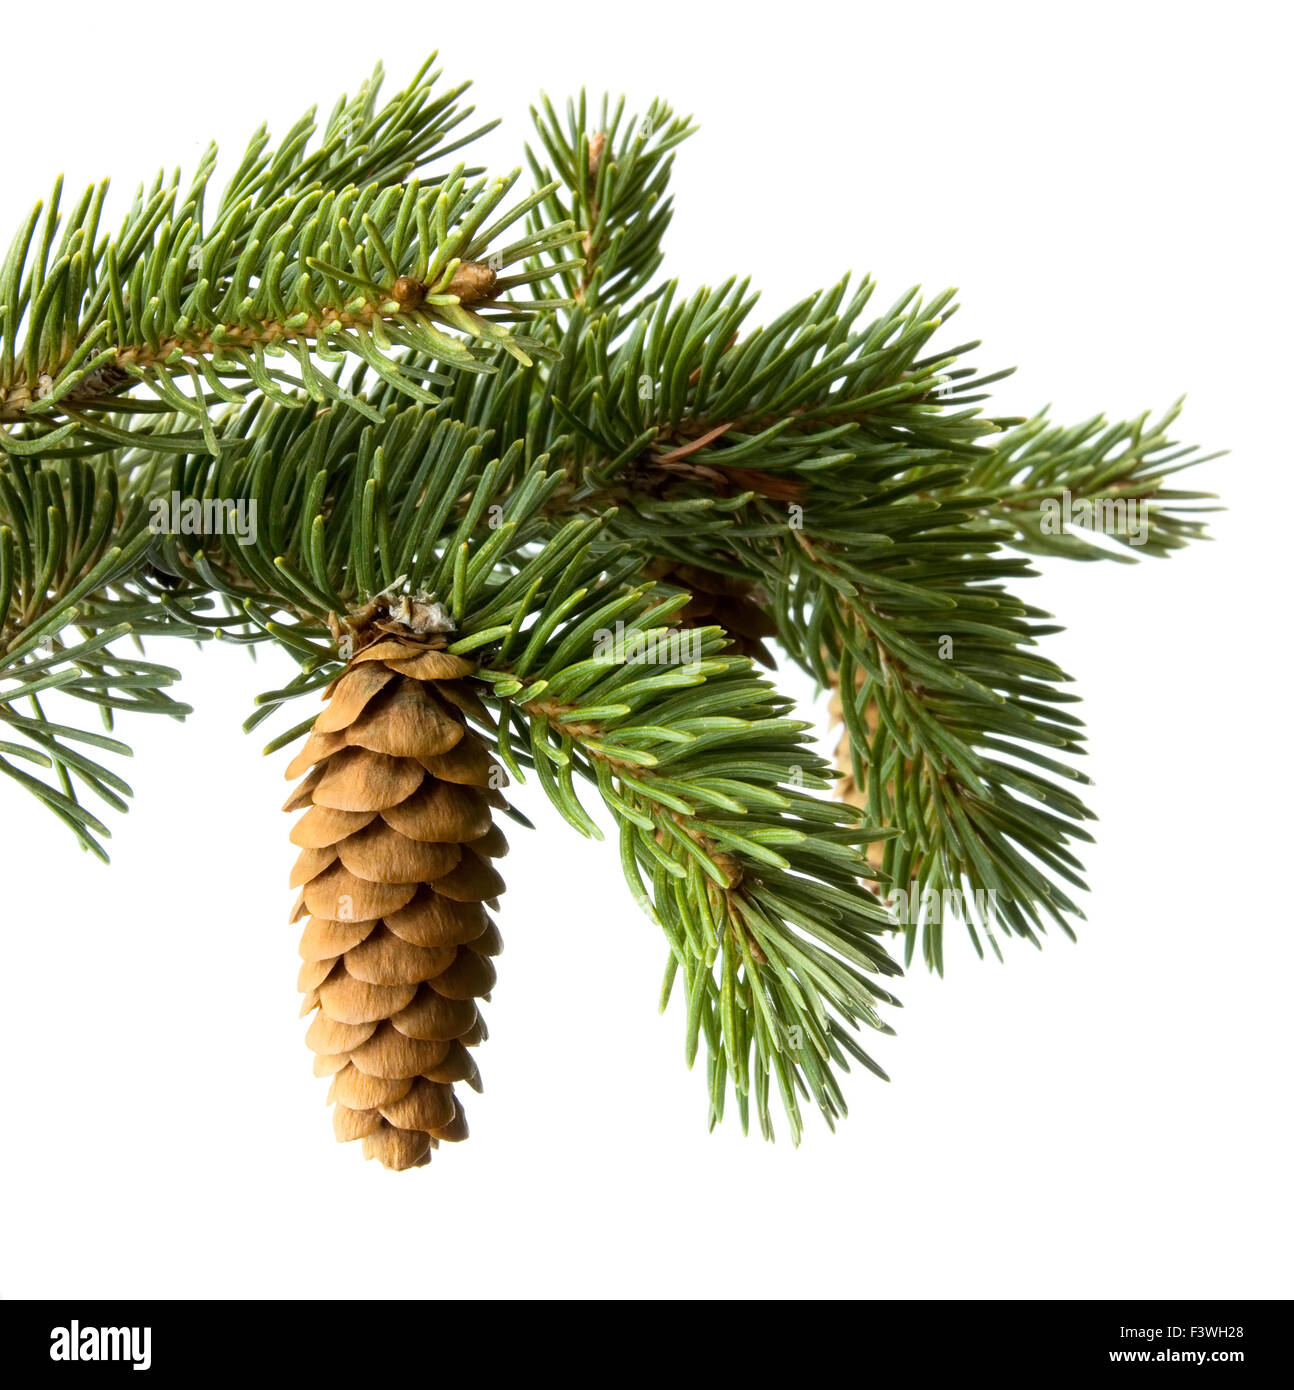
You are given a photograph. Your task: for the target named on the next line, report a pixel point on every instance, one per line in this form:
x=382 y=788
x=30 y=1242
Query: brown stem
x=473 y=283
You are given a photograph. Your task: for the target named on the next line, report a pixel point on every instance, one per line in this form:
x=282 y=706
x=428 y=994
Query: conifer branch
x=296 y=263
x=1116 y=473
x=338 y=352
x=608 y=177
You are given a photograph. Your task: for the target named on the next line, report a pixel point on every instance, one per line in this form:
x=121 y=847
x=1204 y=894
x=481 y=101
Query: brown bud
x=473 y=282
x=408 y=293
x=730 y=867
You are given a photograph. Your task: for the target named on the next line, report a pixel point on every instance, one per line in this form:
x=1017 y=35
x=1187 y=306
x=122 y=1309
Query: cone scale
x=395 y=871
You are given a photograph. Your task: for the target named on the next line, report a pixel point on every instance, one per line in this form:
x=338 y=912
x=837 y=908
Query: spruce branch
x=70 y=546
x=1116 y=473
x=609 y=177
x=295 y=264
x=753 y=880
x=824 y=460
x=577 y=501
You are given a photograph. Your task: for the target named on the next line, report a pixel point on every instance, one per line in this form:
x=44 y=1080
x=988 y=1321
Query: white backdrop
x=1108 y=187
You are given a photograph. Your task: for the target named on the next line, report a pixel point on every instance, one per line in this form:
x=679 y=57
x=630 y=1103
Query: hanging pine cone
x=395 y=874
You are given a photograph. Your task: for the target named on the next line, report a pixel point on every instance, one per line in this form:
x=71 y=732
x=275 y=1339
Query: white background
x=1107 y=185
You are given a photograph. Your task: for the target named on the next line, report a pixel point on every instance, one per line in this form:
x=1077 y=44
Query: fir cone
x=736 y=605
x=395 y=874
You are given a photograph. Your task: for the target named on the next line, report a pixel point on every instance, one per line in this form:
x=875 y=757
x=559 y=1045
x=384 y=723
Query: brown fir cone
x=395 y=874
x=736 y=605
